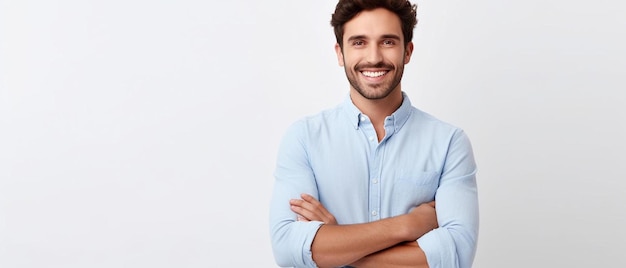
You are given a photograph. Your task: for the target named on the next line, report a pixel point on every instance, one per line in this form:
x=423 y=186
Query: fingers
x=309 y=198
x=298 y=206
x=307 y=208
x=301 y=218
x=311 y=210
x=319 y=208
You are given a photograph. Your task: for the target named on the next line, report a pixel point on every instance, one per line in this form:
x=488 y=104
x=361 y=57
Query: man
x=375 y=163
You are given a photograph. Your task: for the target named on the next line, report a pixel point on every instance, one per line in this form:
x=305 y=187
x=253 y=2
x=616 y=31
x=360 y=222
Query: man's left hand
x=309 y=209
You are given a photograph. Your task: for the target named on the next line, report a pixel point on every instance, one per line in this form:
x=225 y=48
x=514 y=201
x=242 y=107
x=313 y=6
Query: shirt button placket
x=374 y=166
x=375 y=196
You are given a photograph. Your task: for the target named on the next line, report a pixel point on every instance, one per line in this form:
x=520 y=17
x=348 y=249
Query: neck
x=378 y=109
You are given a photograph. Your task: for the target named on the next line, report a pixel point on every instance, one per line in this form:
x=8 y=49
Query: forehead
x=373 y=24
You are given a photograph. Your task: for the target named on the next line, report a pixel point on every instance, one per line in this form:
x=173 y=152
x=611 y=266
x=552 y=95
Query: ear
x=408 y=51
x=339 y=54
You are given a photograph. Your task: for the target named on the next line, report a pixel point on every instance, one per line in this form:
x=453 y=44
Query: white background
x=143 y=133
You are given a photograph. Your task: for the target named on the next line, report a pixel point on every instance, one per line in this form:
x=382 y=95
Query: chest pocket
x=416 y=188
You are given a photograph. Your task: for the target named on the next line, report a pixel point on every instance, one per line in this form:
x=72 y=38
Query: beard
x=374 y=91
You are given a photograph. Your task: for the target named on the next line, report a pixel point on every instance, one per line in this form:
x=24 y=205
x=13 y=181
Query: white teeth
x=373 y=74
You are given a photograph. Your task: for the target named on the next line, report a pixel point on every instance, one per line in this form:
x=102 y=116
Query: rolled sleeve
x=291 y=243
x=291 y=239
x=453 y=244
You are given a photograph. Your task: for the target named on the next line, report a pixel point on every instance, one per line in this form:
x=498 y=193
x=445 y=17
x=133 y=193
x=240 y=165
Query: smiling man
x=374 y=182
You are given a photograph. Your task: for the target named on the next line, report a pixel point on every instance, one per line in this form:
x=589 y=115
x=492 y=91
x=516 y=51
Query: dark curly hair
x=347 y=9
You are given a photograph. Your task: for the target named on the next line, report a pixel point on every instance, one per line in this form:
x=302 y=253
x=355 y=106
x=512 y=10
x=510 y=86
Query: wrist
x=406 y=232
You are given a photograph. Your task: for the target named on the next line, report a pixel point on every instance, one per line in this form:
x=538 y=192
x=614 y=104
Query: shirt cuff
x=439 y=249
x=310 y=229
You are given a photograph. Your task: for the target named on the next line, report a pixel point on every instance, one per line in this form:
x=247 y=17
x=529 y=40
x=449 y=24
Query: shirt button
x=374 y=213
x=371 y=138
x=375 y=181
x=362 y=118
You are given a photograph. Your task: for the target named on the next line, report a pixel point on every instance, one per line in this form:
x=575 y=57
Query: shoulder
x=315 y=122
x=447 y=137
x=429 y=125
x=423 y=119
x=301 y=133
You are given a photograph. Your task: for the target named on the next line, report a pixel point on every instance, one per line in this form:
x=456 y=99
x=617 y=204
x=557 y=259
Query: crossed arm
x=321 y=242
x=389 y=242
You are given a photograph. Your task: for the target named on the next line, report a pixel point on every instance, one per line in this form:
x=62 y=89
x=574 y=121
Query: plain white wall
x=143 y=133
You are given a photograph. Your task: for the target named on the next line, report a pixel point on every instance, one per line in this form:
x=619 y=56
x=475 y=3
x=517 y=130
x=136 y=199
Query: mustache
x=379 y=65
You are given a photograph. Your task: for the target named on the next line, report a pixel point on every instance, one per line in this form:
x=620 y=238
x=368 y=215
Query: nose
x=374 y=55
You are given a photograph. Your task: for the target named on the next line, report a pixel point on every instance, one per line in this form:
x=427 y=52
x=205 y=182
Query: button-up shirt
x=336 y=157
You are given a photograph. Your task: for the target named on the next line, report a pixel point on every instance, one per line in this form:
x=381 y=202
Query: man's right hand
x=421 y=220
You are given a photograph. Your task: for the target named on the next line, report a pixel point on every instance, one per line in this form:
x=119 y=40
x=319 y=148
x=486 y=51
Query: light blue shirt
x=335 y=156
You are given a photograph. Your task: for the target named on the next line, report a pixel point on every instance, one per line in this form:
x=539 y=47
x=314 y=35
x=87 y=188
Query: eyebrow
x=384 y=36
x=391 y=36
x=356 y=37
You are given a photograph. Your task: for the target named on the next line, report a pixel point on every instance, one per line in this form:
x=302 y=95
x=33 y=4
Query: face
x=373 y=53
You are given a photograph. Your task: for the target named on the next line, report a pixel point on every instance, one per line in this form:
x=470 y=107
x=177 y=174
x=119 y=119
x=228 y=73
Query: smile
x=374 y=74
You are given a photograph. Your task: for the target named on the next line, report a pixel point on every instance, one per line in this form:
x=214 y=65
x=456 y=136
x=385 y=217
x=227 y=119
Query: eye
x=358 y=43
x=389 y=42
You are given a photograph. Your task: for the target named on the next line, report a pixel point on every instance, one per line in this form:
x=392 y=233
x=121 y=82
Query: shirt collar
x=399 y=117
